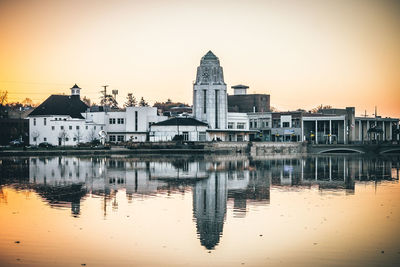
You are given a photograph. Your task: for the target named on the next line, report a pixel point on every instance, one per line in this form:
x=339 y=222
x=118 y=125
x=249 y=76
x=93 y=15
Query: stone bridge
x=355 y=148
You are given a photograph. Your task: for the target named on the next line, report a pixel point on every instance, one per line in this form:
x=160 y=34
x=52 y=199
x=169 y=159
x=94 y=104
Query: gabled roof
x=75 y=86
x=61 y=105
x=181 y=121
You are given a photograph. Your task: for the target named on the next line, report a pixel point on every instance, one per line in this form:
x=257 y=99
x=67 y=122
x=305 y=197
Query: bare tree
x=78 y=135
x=320 y=108
x=63 y=135
x=35 y=135
x=87 y=101
x=92 y=135
x=109 y=100
x=3 y=97
x=130 y=101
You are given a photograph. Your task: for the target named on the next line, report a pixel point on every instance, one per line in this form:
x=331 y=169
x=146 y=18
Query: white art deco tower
x=209 y=93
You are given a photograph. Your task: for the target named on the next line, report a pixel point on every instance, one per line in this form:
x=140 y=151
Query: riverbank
x=221 y=148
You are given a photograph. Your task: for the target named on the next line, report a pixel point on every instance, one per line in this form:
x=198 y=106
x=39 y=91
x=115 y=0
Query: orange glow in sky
x=302 y=53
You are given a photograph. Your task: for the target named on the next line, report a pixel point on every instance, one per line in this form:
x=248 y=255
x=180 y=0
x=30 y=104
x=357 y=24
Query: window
x=62 y=127
x=216 y=109
x=101 y=128
x=255 y=124
x=44 y=121
x=202 y=136
x=136 y=121
x=185 y=136
x=94 y=127
x=66 y=139
x=240 y=138
x=77 y=127
x=112 y=120
x=205 y=102
x=251 y=124
x=44 y=139
x=52 y=127
x=230 y=125
x=120 y=138
x=285 y=124
x=241 y=125
x=111 y=138
x=70 y=127
x=34 y=139
x=120 y=120
x=74 y=138
x=86 y=127
x=34 y=122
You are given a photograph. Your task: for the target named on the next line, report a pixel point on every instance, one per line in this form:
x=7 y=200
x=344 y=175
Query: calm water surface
x=200 y=211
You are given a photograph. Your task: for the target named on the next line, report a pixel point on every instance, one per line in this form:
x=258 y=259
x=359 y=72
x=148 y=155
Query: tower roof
x=76 y=86
x=210 y=56
x=240 y=86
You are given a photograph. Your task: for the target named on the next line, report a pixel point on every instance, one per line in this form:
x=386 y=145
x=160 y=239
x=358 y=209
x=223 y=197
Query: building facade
x=209 y=93
x=66 y=120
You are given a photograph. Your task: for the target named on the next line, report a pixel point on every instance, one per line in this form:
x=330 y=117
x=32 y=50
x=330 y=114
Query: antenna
x=365 y=114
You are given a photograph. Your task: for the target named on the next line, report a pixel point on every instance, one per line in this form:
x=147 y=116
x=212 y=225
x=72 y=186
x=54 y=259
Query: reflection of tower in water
x=209 y=208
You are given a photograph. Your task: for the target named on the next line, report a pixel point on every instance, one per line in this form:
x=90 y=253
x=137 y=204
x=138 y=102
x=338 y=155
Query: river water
x=200 y=211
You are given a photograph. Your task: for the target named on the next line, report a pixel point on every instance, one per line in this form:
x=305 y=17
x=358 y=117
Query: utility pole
x=104 y=92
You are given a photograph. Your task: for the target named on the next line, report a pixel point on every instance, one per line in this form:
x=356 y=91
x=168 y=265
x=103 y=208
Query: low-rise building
x=186 y=129
x=66 y=120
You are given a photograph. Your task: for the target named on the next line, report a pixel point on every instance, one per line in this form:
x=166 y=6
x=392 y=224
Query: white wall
x=159 y=133
x=75 y=130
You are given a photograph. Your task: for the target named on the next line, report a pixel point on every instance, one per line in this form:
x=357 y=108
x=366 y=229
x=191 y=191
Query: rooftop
x=240 y=86
x=181 y=121
x=61 y=105
x=210 y=56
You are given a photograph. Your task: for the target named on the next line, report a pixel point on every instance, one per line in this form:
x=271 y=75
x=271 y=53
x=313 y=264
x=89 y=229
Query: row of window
x=286 y=124
x=45 y=120
x=45 y=139
x=76 y=127
x=116 y=121
x=239 y=125
x=116 y=138
x=256 y=123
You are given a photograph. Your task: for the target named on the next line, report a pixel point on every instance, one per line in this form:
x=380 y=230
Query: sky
x=302 y=52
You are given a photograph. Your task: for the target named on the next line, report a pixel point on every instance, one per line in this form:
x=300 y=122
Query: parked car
x=16 y=142
x=45 y=144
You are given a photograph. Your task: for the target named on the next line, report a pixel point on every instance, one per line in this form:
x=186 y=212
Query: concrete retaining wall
x=266 y=148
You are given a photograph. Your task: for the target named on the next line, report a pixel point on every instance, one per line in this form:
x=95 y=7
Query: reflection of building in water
x=14 y=170
x=179 y=169
x=330 y=172
x=64 y=181
x=248 y=183
x=209 y=208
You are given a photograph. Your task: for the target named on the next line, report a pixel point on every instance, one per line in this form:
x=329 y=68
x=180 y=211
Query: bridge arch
x=390 y=150
x=341 y=150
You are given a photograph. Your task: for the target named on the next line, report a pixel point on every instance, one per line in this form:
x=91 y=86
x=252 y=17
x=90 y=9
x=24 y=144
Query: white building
x=132 y=124
x=66 y=120
x=210 y=103
x=190 y=129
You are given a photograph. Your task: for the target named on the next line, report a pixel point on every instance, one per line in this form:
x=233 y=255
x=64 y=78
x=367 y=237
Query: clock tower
x=209 y=93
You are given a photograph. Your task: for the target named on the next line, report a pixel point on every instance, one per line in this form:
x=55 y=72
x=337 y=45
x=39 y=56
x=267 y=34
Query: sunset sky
x=303 y=53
